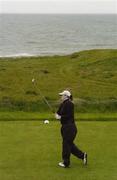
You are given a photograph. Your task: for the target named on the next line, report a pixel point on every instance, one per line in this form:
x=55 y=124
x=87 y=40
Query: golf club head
x=33 y=80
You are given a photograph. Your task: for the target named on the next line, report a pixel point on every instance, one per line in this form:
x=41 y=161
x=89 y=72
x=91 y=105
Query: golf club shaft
x=45 y=100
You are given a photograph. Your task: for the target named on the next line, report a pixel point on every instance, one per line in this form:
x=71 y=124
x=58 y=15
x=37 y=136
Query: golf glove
x=57 y=116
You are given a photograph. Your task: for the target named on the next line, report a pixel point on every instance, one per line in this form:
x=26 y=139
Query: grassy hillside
x=90 y=75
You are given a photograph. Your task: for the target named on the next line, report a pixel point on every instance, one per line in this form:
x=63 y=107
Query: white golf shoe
x=61 y=164
x=85 y=159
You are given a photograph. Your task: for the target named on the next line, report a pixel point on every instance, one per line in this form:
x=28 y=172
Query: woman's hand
x=58 y=117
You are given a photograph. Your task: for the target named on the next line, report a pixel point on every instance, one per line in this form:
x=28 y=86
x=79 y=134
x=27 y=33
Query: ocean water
x=33 y=35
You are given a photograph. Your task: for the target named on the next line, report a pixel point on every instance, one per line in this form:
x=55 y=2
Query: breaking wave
x=18 y=55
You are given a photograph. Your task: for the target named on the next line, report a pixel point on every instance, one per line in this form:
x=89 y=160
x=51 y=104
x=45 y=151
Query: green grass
x=30 y=150
x=91 y=76
x=30 y=116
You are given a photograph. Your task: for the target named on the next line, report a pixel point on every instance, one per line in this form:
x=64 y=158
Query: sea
x=55 y=34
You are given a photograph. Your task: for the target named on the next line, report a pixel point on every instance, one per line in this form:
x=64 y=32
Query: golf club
x=43 y=97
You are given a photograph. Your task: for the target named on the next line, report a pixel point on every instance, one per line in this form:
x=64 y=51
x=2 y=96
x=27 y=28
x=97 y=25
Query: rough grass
x=32 y=150
x=90 y=75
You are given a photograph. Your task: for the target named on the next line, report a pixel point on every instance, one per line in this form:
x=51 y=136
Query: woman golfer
x=65 y=114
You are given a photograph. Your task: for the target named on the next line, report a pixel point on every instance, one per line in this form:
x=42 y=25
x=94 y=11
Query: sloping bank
x=91 y=75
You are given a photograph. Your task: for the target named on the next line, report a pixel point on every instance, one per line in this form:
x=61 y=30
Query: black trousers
x=68 y=132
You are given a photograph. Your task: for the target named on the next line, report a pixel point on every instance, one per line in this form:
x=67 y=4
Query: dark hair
x=71 y=97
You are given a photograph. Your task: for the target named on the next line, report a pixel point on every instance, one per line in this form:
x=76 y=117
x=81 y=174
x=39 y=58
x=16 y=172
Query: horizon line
x=54 y=13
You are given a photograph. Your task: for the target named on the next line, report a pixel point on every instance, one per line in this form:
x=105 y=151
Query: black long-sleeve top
x=66 y=111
